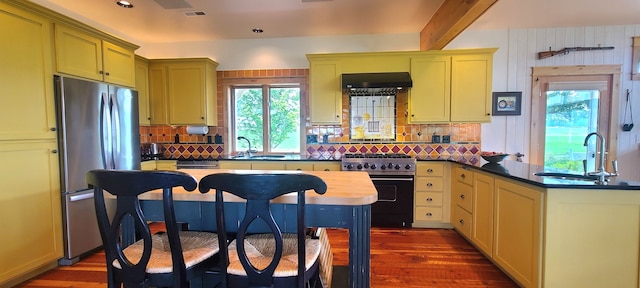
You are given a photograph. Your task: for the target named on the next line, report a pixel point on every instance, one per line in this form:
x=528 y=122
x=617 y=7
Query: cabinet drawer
x=429 y=169
x=428 y=198
x=428 y=214
x=463 y=175
x=462 y=196
x=429 y=184
x=304 y=166
x=462 y=221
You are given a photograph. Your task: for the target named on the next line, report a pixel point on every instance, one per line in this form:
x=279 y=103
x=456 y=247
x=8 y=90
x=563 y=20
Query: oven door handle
x=391 y=179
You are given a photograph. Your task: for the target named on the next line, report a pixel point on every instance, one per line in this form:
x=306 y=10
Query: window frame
x=265 y=84
x=541 y=76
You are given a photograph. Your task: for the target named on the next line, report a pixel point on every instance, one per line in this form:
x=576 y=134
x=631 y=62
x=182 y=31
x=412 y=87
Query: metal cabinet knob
x=463 y=176
x=461 y=221
x=54 y=151
x=429 y=170
x=429 y=184
x=462 y=196
x=327 y=169
x=53 y=129
x=429 y=214
x=299 y=169
x=429 y=199
x=100 y=72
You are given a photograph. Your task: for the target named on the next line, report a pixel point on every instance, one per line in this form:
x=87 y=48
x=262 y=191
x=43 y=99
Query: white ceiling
x=149 y=22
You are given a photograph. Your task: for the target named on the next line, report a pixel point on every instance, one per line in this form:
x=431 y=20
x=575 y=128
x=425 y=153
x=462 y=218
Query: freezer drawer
x=81 y=227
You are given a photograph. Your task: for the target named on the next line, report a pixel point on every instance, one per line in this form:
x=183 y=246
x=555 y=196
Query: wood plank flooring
x=399 y=258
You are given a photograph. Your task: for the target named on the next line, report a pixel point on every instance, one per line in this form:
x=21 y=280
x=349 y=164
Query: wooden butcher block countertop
x=343 y=188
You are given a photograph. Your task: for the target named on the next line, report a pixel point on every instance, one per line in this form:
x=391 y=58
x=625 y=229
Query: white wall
x=516 y=56
x=279 y=53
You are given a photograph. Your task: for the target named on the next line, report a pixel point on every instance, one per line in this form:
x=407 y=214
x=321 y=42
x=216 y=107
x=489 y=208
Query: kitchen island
x=346 y=204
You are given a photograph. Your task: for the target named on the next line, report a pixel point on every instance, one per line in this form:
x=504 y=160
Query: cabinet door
x=186 y=87
x=327 y=166
x=517 y=231
x=482 y=235
x=78 y=53
x=118 y=64
x=30 y=207
x=142 y=86
x=170 y=165
x=158 y=95
x=429 y=98
x=237 y=165
x=471 y=88
x=325 y=99
x=268 y=165
x=28 y=109
x=148 y=165
x=297 y=165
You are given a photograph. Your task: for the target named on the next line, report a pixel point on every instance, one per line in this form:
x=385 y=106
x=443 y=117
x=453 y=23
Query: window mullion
x=266 y=128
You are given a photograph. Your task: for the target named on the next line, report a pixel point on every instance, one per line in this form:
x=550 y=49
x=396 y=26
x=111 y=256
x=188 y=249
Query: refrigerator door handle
x=81 y=197
x=105 y=131
x=115 y=118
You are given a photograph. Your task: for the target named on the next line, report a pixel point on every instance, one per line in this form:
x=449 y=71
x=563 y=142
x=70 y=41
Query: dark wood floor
x=399 y=258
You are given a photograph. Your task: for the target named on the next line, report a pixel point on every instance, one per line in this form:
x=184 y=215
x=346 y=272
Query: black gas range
x=393 y=177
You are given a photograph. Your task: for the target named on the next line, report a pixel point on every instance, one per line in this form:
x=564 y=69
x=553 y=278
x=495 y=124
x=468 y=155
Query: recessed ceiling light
x=124 y=4
x=257 y=30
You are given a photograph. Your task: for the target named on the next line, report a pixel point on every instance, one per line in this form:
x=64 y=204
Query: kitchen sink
x=568 y=176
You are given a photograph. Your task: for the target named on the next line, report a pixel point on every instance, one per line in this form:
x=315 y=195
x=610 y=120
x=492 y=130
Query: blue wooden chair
x=168 y=259
x=272 y=259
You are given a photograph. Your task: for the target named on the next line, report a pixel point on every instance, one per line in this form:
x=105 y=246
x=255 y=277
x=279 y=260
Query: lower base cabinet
x=30 y=209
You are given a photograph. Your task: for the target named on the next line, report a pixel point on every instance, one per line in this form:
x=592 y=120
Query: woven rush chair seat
x=260 y=249
x=196 y=247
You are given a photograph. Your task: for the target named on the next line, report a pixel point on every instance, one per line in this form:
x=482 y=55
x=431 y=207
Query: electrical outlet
x=446 y=138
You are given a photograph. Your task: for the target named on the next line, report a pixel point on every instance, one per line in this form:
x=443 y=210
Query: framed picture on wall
x=507 y=103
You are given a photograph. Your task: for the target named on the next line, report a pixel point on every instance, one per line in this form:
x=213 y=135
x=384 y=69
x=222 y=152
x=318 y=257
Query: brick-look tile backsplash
x=413 y=139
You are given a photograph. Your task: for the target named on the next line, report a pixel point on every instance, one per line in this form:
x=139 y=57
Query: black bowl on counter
x=494 y=158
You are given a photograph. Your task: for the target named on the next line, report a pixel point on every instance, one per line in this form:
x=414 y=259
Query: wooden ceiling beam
x=450 y=20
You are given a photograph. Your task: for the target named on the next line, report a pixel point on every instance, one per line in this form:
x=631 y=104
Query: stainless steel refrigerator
x=98 y=129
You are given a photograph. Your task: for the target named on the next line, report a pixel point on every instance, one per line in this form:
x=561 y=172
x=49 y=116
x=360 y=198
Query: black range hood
x=364 y=81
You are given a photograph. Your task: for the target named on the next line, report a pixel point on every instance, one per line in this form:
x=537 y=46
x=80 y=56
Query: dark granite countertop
x=525 y=172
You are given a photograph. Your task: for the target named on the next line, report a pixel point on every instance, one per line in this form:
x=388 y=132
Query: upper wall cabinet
x=142 y=86
x=451 y=86
x=183 y=91
x=84 y=55
x=325 y=102
x=28 y=109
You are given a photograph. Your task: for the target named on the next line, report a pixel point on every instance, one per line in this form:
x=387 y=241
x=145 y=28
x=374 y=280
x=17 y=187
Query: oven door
x=394 y=207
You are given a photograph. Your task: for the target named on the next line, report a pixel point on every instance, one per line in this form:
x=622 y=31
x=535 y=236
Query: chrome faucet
x=601 y=172
x=248 y=142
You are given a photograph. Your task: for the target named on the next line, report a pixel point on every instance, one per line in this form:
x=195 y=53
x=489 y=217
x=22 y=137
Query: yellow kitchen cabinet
x=235 y=164
x=429 y=199
x=148 y=165
x=88 y=56
x=268 y=165
x=430 y=96
x=184 y=90
x=158 y=101
x=471 y=81
x=166 y=165
x=299 y=165
x=325 y=97
x=30 y=208
x=451 y=86
x=142 y=86
x=517 y=231
x=482 y=232
x=327 y=166
x=26 y=76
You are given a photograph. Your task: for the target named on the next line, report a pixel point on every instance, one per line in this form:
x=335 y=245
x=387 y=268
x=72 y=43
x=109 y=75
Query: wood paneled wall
x=517 y=55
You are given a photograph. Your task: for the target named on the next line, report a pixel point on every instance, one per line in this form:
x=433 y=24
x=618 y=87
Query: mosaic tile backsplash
x=325 y=141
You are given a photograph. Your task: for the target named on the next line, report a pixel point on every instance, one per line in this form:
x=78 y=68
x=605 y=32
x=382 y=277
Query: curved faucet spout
x=601 y=171
x=248 y=142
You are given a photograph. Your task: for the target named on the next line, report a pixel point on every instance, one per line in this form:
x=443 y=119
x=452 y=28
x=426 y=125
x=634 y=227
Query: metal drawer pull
x=462 y=176
x=429 y=184
x=429 y=170
x=429 y=214
x=461 y=196
x=429 y=199
x=461 y=221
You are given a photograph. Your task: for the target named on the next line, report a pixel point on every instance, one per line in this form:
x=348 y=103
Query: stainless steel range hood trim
x=395 y=80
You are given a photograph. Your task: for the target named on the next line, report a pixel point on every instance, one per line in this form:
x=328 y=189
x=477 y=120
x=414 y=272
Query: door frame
x=538 y=118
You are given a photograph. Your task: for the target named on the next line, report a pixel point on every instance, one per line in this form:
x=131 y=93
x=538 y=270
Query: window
x=268 y=115
x=569 y=105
